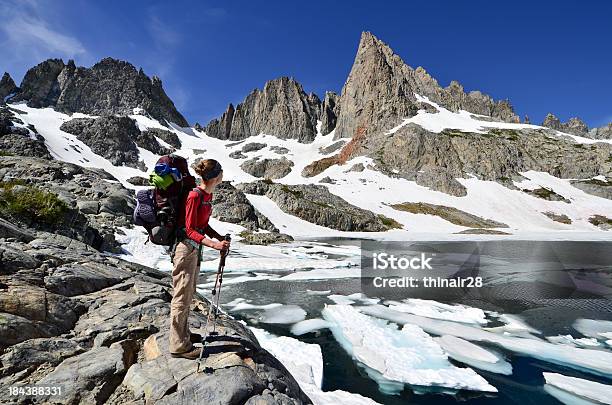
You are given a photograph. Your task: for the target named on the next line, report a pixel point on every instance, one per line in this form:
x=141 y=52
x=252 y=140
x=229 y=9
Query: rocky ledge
x=98 y=326
x=314 y=203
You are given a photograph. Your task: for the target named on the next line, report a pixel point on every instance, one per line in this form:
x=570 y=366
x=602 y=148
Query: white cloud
x=27 y=32
x=162 y=34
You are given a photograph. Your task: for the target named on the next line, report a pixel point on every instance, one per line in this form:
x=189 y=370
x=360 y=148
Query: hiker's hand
x=221 y=245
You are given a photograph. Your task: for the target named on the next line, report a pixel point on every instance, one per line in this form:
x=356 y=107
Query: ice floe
x=473 y=355
x=352 y=298
x=406 y=356
x=305 y=363
x=598 y=329
x=572 y=341
x=588 y=360
x=572 y=390
x=438 y=310
x=309 y=325
x=283 y=314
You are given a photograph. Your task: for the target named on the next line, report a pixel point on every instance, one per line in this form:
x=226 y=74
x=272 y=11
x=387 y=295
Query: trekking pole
x=214 y=302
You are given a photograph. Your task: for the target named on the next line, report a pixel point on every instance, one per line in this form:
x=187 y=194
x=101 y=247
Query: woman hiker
x=187 y=257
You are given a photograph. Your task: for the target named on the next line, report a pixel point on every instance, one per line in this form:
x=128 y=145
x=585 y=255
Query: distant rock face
x=108 y=87
x=282 y=109
x=329 y=112
x=380 y=91
x=314 y=203
x=436 y=160
x=604 y=132
x=111 y=137
x=20 y=141
x=7 y=87
x=231 y=205
x=169 y=137
x=574 y=126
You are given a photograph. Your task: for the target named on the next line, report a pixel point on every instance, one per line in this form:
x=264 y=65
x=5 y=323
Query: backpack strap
x=201 y=194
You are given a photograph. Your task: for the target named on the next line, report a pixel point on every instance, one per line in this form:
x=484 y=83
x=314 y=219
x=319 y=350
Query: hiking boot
x=192 y=354
x=195 y=338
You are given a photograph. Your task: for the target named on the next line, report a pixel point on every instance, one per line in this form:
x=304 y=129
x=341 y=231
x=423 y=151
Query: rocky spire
x=109 y=87
x=573 y=126
x=380 y=92
x=576 y=126
x=551 y=121
x=282 y=109
x=7 y=87
x=329 y=112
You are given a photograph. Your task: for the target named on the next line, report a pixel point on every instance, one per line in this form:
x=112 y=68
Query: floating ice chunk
x=341 y=299
x=577 y=390
x=283 y=314
x=243 y=306
x=309 y=325
x=594 y=328
x=473 y=355
x=515 y=323
x=318 y=292
x=305 y=363
x=406 y=356
x=352 y=298
x=301 y=359
x=592 y=361
x=438 y=310
x=572 y=341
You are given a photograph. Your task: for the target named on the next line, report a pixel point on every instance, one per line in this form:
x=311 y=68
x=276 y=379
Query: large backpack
x=157 y=209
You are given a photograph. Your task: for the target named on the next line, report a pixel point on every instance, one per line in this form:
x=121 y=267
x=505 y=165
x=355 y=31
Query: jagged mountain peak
x=111 y=86
x=573 y=126
x=7 y=86
x=380 y=92
x=281 y=108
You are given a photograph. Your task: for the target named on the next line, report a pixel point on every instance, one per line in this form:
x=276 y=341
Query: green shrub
x=390 y=222
x=5 y=153
x=31 y=203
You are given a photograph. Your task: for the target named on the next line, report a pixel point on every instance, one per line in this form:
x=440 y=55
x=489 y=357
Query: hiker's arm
x=210 y=232
x=191 y=217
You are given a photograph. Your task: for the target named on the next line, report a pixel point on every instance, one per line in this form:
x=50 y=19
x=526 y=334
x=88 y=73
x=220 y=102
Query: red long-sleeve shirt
x=197 y=215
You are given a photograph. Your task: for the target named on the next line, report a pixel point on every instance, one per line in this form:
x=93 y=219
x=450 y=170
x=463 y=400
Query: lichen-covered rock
x=95 y=206
x=268 y=168
x=253 y=146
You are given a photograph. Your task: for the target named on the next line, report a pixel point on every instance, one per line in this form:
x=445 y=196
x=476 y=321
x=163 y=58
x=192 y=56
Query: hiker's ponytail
x=208 y=169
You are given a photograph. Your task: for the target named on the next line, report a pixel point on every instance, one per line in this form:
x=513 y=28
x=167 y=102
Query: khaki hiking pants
x=184 y=279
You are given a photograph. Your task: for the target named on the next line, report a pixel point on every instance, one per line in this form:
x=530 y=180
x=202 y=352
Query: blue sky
x=543 y=55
